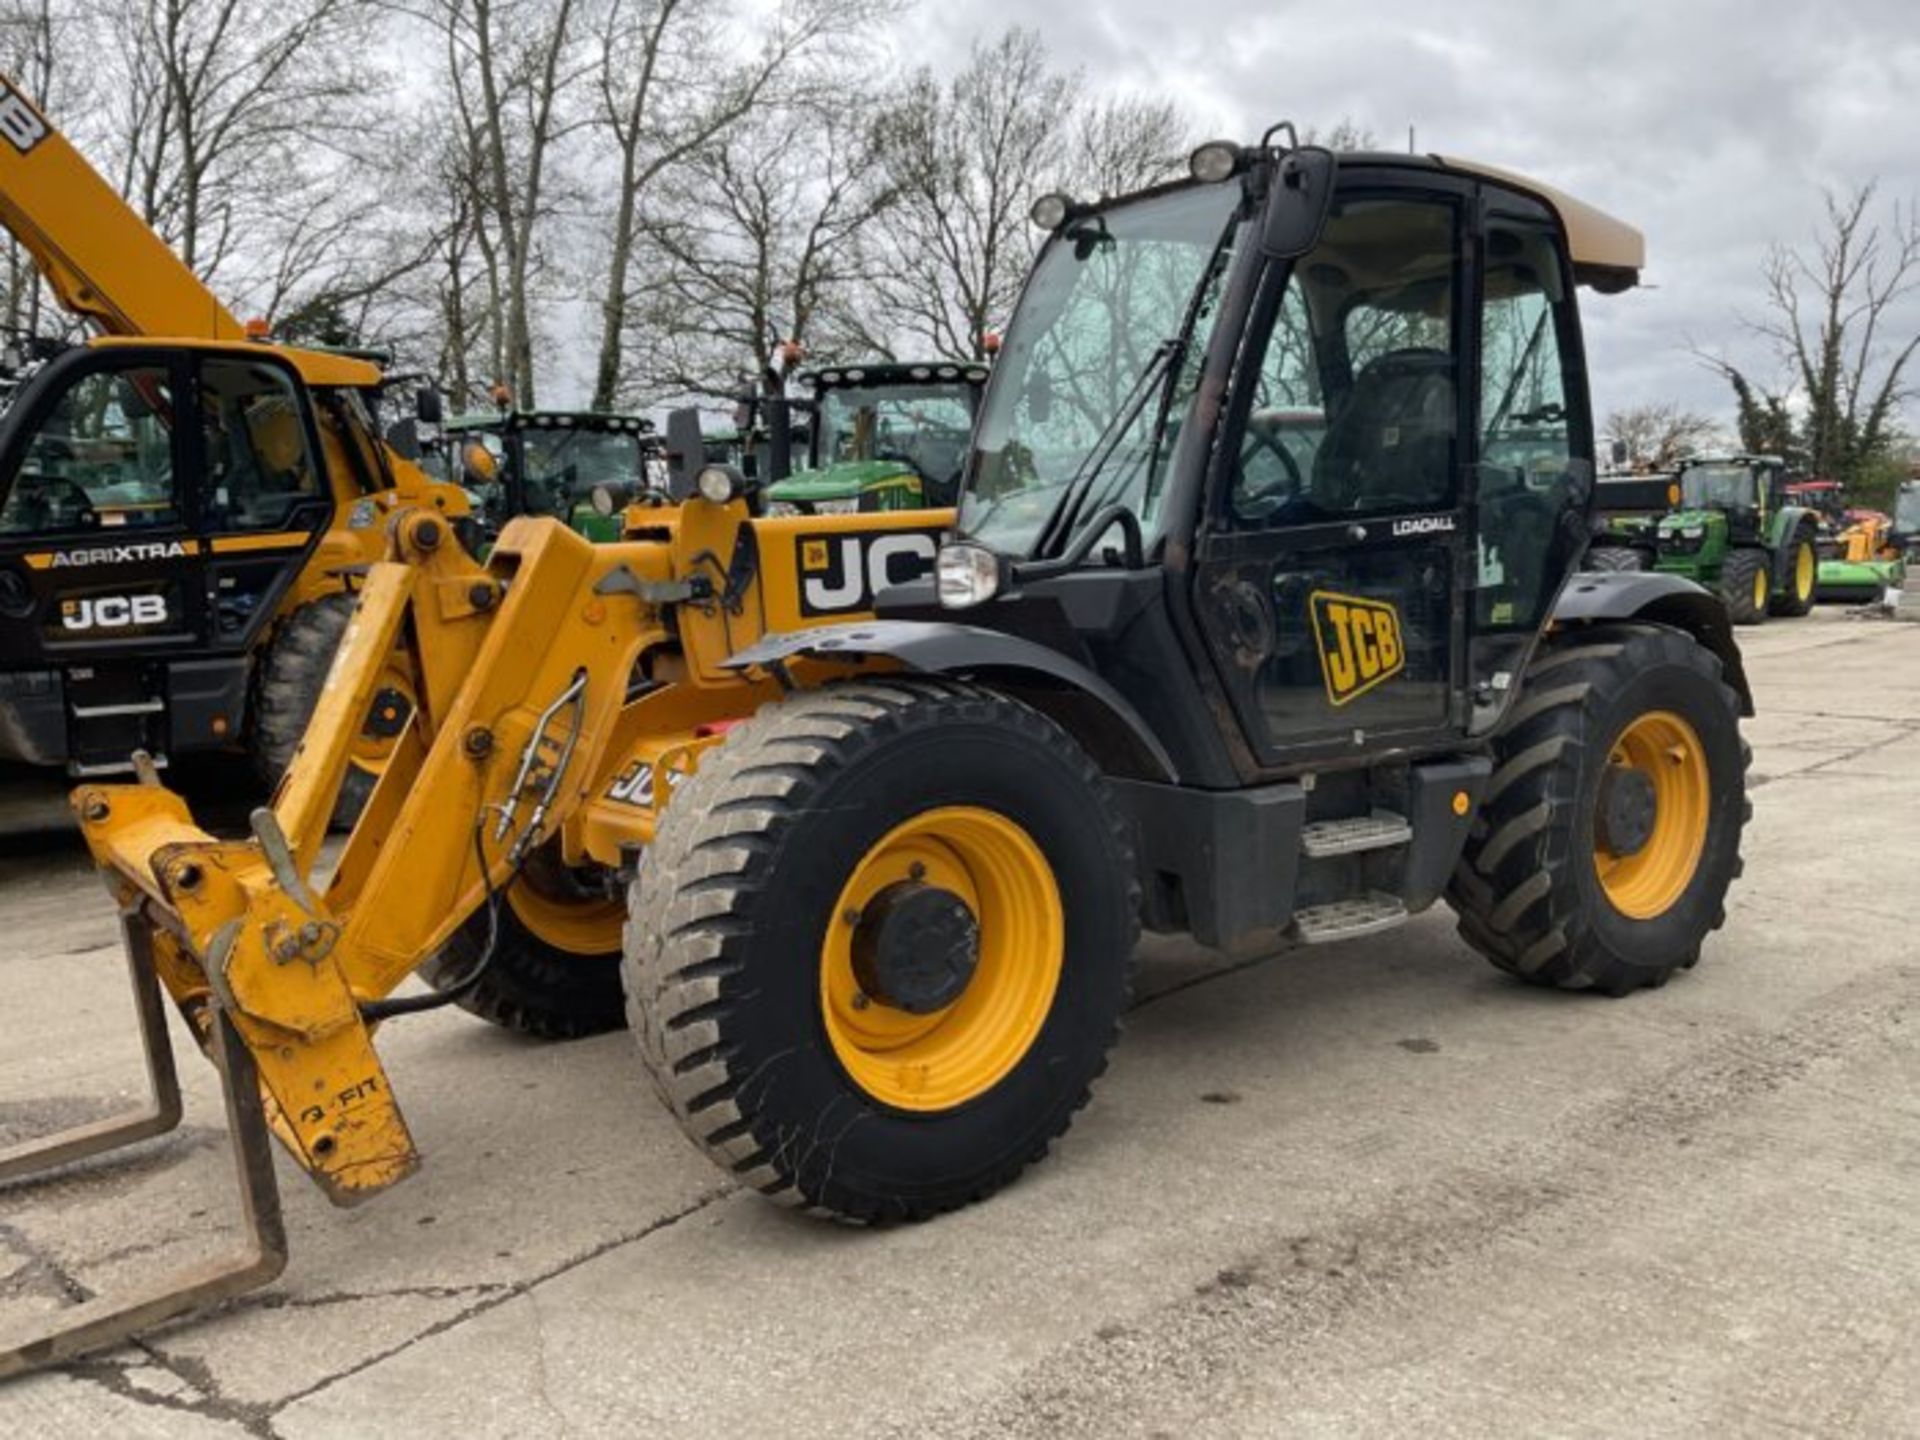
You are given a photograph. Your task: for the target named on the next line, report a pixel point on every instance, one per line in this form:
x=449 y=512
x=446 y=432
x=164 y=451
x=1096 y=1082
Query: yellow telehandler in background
x=182 y=506
x=855 y=819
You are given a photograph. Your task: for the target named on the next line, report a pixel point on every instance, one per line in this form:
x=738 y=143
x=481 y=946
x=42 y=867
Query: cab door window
x=1527 y=476
x=259 y=467
x=101 y=458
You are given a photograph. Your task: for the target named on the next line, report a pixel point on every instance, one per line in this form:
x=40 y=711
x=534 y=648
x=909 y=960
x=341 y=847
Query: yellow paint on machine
x=1360 y=642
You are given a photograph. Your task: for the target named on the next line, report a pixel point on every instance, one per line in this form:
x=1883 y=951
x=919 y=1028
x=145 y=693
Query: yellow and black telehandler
x=182 y=504
x=855 y=819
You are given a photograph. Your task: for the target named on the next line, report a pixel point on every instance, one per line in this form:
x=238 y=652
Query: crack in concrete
x=504 y=1294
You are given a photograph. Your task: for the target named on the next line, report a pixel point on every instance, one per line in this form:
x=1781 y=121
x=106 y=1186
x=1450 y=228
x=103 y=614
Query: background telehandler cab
x=182 y=504
x=855 y=819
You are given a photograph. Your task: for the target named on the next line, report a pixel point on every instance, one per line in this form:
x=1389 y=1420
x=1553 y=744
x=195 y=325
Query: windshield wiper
x=1073 y=504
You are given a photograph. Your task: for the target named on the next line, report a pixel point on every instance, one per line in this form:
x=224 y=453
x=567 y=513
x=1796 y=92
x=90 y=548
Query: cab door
x=97 y=549
x=1401 y=488
x=260 y=501
x=1337 y=552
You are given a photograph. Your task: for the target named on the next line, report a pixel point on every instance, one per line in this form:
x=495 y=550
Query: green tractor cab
x=551 y=462
x=882 y=437
x=1732 y=529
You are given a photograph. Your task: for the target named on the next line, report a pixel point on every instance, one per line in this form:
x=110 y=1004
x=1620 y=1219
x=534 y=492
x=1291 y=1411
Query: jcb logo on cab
x=114 y=612
x=1359 y=641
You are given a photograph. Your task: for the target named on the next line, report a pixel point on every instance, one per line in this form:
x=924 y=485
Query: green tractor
x=1731 y=530
x=576 y=466
x=880 y=437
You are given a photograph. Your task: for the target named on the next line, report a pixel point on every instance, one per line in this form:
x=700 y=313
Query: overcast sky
x=1710 y=124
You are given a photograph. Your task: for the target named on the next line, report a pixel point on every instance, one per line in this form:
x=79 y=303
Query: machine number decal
x=1359 y=641
x=843 y=573
x=114 y=612
x=23 y=128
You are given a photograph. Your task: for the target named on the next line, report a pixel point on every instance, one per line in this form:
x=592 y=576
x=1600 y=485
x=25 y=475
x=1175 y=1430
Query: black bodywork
x=130 y=625
x=1202 y=679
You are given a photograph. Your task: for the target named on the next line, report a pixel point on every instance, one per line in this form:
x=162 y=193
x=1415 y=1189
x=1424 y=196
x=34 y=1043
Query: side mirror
x=1298 y=203
x=686 y=451
x=1619 y=452
x=403 y=438
x=428 y=407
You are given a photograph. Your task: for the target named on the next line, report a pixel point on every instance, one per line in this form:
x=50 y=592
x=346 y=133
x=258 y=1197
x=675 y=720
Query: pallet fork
x=107 y=1320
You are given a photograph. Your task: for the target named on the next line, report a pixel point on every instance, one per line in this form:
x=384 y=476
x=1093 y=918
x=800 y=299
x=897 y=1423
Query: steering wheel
x=1262 y=505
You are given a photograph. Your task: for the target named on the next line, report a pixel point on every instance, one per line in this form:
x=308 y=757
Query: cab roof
x=1607 y=253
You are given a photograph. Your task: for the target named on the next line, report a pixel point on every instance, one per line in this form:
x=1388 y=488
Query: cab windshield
x=563 y=466
x=1109 y=335
x=925 y=426
x=1906 y=510
x=1717 y=487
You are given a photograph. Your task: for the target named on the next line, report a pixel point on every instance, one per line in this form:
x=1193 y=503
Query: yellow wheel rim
x=1803 y=571
x=585 y=925
x=939 y=1060
x=1760 y=588
x=1666 y=749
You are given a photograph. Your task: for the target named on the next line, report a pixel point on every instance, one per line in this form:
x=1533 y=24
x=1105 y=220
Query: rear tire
x=731 y=947
x=1528 y=890
x=1746 y=586
x=1803 y=577
x=1612 y=558
x=287 y=682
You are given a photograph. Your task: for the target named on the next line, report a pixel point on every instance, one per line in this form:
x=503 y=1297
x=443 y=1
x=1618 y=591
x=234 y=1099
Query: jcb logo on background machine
x=18 y=122
x=1360 y=643
x=842 y=573
x=114 y=612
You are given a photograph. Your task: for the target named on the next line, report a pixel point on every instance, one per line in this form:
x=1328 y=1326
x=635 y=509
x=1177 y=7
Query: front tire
x=1552 y=886
x=287 y=684
x=764 y=896
x=1745 y=586
x=555 y=970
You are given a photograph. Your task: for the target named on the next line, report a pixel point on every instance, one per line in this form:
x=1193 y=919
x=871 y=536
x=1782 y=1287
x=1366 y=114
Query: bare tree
x=1125 y=143
x=762 y=250
x=1832 y=321
x=967 y=158
x=226 y=108
x=1658 y=436
x=667 y=91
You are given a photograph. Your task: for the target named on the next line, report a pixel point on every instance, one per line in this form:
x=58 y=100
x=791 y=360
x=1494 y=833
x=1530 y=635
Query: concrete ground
x=1370 y=1188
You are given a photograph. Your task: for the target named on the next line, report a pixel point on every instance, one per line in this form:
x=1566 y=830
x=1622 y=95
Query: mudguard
x=1664 y=600
x=1104 y=721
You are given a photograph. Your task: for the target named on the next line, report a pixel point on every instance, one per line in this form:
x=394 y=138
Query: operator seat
x=1392 y=438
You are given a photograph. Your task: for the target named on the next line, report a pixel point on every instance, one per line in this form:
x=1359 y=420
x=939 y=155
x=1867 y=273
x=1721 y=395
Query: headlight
x=848 y=506
x=1214 y=161
x=717 y=484
x=777 y=508
x=1050 y=212
x=1694 y=532
x=966 y=575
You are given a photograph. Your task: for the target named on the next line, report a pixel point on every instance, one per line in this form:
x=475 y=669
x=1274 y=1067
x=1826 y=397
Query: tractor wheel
x=287 y=684
x=555 y=971
x=881 y=945
x=1746 y=586
x=1611 y=827
x=1615 y=557
x=1803 y=574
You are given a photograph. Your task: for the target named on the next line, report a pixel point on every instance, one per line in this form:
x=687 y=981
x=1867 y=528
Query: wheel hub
x=915 y=947
x=1627 y=811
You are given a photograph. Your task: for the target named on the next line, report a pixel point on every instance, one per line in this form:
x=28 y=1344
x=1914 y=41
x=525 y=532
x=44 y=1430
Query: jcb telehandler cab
x=861 y=855
x=181 y=505
x=579 y=466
